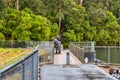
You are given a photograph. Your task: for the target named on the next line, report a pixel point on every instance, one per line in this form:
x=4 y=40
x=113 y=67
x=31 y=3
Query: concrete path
x=73 y=72
x=61 y=58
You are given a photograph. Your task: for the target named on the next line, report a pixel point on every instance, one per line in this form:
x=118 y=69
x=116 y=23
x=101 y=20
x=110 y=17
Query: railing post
x=0 y=76
x=23 y=71
x=33 y=67
x=108 y=54
x=67 y=58
x=92 y=47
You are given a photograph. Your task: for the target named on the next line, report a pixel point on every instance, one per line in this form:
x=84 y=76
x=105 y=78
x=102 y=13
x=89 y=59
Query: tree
x=17 y=4
x=76 y=19
x=8 y=3
x=1 y=34
x=2 y=5
x=80 y=2
x=112 y=26
x=100 y=18
x=93 y=21
x=2 y=8
x=23 y=25
x=69 y=36
x=104 y=35
x=36 y=6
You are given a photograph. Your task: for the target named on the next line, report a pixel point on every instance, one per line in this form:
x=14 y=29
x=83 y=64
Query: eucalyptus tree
x=12 y=4
x=8 y=3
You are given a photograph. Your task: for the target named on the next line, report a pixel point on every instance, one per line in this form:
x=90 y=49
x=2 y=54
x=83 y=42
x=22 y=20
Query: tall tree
x=1 y=28
x=23 y=25
x=8 y=3
x=3 y=8
x=34 y=5
x=60 y=12
x=80 y=2
x=17 y=4
x=102 y=22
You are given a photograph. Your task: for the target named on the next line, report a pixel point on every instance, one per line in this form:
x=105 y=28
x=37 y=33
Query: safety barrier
x=77 y=51
x=25 y=69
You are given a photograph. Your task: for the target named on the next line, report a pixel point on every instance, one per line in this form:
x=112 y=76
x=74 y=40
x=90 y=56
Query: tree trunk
x=59 y=19
x=80 y=2
x=8 y=3
x=17 y=4
x=108 y=5
x=98 y=1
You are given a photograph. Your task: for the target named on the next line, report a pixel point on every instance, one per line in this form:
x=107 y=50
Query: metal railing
x=18 y=43
x=46 y=50
x=85 y=51
x=77 y=51
x=25 y=69
x=16 y=46
x=108 y=54
x=87 y=46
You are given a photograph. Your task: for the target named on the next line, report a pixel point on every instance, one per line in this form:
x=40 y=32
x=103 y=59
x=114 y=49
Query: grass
x=9 y=56
x=42 y=52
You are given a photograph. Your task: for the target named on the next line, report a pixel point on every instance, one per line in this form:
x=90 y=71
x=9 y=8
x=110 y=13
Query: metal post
x=93 y=50
x=68 y=58
x=108 y=54
x=33 y=66
x=36 y=66
x=92 y=47
x=12 y=44
x=23 y=71
x=0 y=76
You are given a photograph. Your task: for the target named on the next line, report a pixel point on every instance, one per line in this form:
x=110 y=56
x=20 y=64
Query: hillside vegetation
x=74 y=20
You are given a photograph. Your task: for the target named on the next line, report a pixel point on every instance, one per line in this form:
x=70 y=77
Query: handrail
x=77 y=51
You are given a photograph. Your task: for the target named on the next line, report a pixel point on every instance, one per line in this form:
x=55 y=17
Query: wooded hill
x=74 y=20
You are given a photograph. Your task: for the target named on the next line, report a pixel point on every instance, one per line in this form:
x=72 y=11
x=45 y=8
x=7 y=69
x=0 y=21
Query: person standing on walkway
x=59 y=39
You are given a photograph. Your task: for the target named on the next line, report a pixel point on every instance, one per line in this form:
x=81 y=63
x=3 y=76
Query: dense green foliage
x=102 y=21
x=95 y=20
x=23 y=25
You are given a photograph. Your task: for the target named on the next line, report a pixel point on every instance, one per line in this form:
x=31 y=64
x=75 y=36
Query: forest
x=73 y=20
